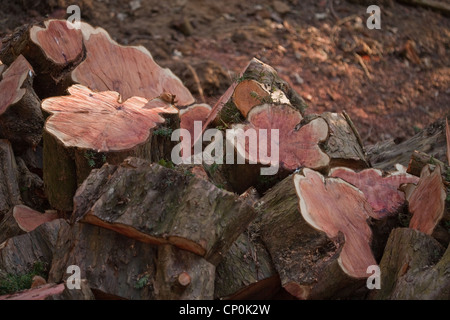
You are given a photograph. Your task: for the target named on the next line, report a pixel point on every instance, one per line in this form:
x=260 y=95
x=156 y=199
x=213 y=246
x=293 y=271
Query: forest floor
x=392 y=82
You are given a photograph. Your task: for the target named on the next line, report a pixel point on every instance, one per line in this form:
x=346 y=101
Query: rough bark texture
x=431 y=140
x=420 y=160
x=344 y=146
x=21 y=119
x=246 y=271
x=20 y=253
x=414 y=267
x=182 y=275
x=87 y=129
x=159 y=205
x=9 y=186
x=100 y=254
x=305 y=258
x=84 y=293
x=225 y=110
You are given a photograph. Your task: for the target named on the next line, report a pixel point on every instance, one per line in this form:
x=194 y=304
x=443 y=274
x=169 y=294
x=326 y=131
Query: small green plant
x=11 y=283
x=188 y=173
x=163 y=132
x=142 y=281
x=94 y=159
x=213 y=168
x=166 y=163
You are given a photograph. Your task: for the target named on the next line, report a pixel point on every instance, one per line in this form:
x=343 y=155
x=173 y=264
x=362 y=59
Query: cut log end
x=184 y=279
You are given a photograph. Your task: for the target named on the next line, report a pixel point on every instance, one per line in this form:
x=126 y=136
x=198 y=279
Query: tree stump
x=21 y=119
x=158 y=205
x=87 y=129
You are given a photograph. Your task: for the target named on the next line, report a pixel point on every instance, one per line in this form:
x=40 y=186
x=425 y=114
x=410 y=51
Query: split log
x=414 y=267
x=9 y=185
x=115 y=266
x=53 y=50
x=21 y=119
x=22 y=219
x=158 y=205
x=246 y=271
x=431 y=140
x=426 y=201
x=182 y=275
x=323 y=250
x=41 y=293
x=19 y=254
x=87 y=129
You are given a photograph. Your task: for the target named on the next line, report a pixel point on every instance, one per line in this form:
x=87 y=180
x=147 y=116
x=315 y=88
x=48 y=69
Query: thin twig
x=363 y=65
x=197 y=81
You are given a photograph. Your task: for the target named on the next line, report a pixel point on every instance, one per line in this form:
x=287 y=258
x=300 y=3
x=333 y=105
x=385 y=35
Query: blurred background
x=392 y=82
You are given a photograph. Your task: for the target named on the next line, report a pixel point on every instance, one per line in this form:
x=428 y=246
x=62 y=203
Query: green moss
x=10 y=283
x=164 y=132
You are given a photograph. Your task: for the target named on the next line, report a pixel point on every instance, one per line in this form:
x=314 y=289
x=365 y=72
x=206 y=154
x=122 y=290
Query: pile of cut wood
x=87 y=182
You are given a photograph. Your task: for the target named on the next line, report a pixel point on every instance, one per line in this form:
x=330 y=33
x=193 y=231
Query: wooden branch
x=41 y=293
x=182 y=275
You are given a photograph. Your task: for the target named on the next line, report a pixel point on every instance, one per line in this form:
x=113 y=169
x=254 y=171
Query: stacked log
x=139 y=227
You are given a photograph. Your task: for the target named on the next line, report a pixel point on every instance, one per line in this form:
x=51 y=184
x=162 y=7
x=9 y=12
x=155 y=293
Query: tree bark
x=414 y=267
x=115 y=266
x=158 y=205
x=77 y=140
x=182 y=275
x=9 y=186
x=246 y=271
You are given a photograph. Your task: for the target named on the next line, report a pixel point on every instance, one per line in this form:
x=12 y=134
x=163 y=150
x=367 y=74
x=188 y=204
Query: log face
x=159 y=205
x=381 y=192
x=296 y=147
x=98 y=121
x=118 y=72
x=111 y=263
x=334 y=206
